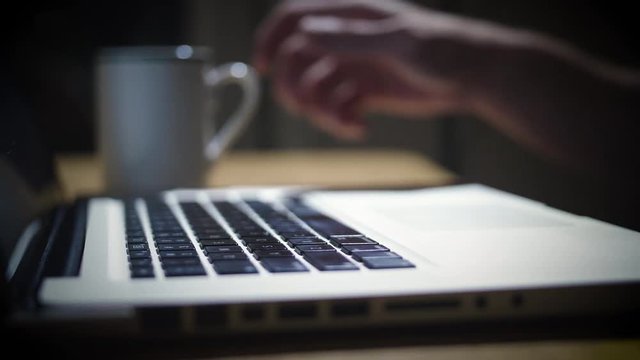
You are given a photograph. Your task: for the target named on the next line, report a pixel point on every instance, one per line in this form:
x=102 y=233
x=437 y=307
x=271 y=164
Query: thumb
x=354 y=36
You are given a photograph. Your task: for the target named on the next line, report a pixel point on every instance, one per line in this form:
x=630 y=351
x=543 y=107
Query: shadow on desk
x=570 y=337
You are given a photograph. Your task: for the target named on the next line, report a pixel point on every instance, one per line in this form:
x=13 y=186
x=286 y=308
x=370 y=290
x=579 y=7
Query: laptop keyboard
x=278 y=242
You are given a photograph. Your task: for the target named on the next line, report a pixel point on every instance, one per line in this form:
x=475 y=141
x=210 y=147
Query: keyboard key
x=136 y=240
x=227 y=256
x=135 y=247
x=186 y=270
x=386 y=263
x=163 y=247
x=134 y=233
x=203 y=237
x=180 y=261
x=278 y=265
x=222 y=249
x=251 y=233
x=296 y=234
x=138 y=254
x=140 y=262
x=211 y=232
x=142 y=272
x=180 y=240
x=220 y=242
x=358 y=256
x=340 y=241
x=329 y=261
x=261 y=254
x=329 y=227
x=265 y=247
x=305 y=241
x=260 y=240
x=168 y=234
x=303 y=249
x=178 y=254
x=225 y=267
x=350 y=249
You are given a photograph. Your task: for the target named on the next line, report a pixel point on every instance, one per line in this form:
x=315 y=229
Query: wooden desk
x=81 y=175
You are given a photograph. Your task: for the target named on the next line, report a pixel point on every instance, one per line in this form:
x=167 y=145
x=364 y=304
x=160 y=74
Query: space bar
x=329 y=261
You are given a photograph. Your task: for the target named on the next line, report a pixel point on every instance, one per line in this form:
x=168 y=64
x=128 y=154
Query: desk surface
x=82 y=175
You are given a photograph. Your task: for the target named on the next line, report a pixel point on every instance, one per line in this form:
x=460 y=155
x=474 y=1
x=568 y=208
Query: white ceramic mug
x=155 y=107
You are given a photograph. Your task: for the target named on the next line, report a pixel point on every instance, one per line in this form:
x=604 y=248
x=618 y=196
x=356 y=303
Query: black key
x=340 y=241
x=225 y=267
x=211 y=231
x=261 y=254
x=330 y=227
x=386 y=263
x=220 y=242
x=358 y=256
x=137 y=240
x=134 y=233
x=222 y=249
x=178 y=254
x=227 y=256
x=206 y=226
x=139 y=254
x=140 y=262
x=142 y=272
x=203 y=237
x=186 y=270
x=260 y=240
x=305 y=241
x=136 y=247
x=163 y=247
x=296 y=234
x=329 y=261
x=251 y=233
x=268 y=247
x=277 y=265
x=180 y=261
x=350 y=249
x=168 y=234
x=303 y=211
x=289 y=229
x=180 y=240
x=303 y=249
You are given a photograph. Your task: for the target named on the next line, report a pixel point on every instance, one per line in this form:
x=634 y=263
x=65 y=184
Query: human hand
x=335 y=61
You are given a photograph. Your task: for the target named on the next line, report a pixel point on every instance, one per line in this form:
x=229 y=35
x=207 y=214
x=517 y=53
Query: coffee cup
x=156 y=114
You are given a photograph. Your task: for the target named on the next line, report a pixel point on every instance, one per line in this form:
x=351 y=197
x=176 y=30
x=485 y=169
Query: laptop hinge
x=68 y=243
x=28 y=274
x=55 y=250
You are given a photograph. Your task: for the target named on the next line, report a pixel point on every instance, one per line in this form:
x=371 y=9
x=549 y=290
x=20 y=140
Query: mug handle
x=246 y=77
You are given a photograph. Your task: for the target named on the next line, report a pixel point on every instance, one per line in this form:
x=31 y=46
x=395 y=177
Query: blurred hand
x=334 y=61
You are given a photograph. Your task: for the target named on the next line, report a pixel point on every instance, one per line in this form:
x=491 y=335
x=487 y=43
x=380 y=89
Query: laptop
x=242 y=260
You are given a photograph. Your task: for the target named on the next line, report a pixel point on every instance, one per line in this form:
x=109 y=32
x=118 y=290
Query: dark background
x=48 y=55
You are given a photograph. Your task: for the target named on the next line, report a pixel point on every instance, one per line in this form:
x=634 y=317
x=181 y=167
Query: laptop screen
x=28 y=184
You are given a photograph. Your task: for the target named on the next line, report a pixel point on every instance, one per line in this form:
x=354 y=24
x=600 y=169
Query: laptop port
x=159 y=319
x=297 y=311
x=421 y=305
x=210 y=316
x=253 y=313
x=350 y=309
x=517 y=300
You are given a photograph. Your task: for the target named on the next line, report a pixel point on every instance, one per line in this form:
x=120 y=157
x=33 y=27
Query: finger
x=338 y=108
x=385 y=37
x=292 y=61
x=283 y=22
x=319 y=80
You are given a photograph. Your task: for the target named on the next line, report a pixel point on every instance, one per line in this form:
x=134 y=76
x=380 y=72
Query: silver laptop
x=206 y=261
